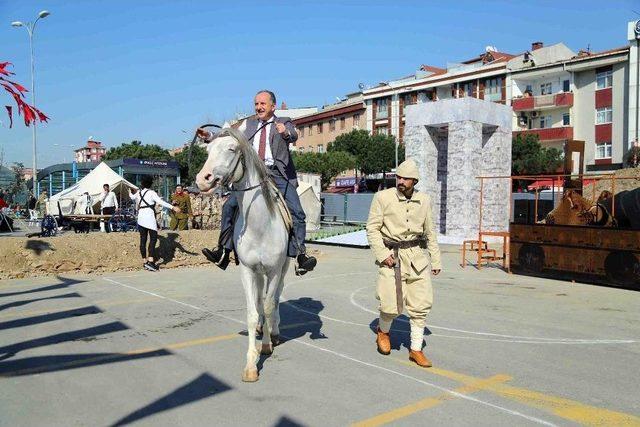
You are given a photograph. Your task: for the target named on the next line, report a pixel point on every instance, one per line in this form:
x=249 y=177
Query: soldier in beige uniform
x=400 y=226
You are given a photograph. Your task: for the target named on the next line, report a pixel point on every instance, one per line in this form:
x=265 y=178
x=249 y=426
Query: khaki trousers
x=416 y=290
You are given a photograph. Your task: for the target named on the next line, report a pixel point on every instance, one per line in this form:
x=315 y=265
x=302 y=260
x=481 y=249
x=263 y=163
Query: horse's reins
x=227 y=181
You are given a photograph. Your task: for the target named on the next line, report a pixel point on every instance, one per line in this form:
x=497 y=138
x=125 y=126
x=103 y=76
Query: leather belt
x=396 y=246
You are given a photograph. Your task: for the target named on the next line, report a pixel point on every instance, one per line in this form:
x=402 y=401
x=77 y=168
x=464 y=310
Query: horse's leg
x=275 y=317
x=250 y=284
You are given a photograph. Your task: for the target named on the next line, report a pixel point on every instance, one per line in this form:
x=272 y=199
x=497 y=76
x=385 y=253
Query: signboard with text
x=151 y=163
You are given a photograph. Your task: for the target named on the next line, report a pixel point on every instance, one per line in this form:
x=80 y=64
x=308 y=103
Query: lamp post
x=30 y=27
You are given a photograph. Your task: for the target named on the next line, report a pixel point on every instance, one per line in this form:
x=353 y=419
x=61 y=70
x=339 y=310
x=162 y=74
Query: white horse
x=260 y=235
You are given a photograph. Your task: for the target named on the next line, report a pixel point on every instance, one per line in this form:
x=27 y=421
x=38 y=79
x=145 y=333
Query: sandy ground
x=98 y=252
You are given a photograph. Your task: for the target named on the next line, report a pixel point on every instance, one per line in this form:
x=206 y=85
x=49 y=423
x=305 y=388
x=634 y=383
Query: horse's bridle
x=240 y=160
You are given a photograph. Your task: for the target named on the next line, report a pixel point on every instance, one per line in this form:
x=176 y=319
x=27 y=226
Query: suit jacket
x=279 y=146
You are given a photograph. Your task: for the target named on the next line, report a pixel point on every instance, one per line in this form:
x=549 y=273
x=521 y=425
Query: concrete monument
x=454 y=141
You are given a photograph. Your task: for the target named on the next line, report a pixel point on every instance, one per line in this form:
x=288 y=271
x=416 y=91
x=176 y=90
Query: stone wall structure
x=454 y=141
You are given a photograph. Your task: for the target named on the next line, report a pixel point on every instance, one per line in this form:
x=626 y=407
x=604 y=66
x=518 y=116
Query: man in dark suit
x=270 y=137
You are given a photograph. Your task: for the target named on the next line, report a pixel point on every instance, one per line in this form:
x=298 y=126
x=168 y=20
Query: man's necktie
x=263 y=143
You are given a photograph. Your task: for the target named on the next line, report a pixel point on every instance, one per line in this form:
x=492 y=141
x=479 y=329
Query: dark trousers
x=108 y=211
x=288 y=191
x=153 y=237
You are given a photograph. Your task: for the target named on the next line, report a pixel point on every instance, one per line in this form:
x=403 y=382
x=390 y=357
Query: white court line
x=344 y=356
x=515 y=339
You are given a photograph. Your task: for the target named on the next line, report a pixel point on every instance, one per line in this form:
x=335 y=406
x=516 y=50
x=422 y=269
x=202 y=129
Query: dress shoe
x=305 y=264
x=419 y=358
x=219 y=256
x=384 y=343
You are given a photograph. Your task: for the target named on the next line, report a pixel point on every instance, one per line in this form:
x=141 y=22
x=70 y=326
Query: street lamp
x=30 y=27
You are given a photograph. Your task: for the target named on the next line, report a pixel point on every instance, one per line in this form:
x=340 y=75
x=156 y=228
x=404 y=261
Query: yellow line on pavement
x=143 y=351
x=429 y=402
x=564 y=408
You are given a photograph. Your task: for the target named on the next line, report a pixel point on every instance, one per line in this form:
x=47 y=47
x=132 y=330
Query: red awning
x=536 y=185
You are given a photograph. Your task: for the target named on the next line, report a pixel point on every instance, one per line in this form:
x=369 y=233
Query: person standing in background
x=108 y=203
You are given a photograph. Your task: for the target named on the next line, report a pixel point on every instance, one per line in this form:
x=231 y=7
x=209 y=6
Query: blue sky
x=147 y=70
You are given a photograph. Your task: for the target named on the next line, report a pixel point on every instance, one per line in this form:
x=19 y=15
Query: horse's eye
x=233 y=150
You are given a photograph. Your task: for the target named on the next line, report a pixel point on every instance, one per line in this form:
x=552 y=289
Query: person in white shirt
x=108 y=203
x=146 y=200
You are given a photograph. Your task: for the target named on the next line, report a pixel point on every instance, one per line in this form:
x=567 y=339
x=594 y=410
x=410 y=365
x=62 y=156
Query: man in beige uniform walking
x=399 y=228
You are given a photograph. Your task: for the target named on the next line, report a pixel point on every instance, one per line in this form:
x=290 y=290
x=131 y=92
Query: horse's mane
x=251 y=160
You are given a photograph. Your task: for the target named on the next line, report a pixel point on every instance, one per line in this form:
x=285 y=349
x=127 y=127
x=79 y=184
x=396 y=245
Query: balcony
x=549 y=134
x=562 y=99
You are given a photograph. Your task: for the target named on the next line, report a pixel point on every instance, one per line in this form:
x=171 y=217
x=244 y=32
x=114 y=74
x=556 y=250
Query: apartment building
x=558 y=94
x=92 y=152
x=555 y=93
x=317 y=130
x=482 y=77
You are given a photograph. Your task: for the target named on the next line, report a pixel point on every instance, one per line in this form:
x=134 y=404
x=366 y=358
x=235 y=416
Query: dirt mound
x=620 y=185
x=98 y=252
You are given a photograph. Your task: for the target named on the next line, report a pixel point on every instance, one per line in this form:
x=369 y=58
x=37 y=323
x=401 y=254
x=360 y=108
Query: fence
x=344 y=208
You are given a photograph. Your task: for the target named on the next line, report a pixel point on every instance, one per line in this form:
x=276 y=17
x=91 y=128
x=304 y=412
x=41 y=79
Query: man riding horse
x=279 y=132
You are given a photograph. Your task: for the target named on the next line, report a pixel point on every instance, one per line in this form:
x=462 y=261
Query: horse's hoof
x=250 y=375
x=266 y=349
x=275 y=340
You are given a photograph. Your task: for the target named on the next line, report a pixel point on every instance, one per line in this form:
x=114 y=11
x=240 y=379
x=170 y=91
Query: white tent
x=310 y=204
x=92 y=184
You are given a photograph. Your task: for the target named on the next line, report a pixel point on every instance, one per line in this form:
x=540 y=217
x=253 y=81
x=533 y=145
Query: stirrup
x=299 y=271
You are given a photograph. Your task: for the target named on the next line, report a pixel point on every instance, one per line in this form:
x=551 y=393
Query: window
x=320 y=127
x=545 y=89
x=382 y=130
x=604 y=79
x=603 y=151
x=356 y=120
x=382 y=111
x=332 y=125
x=566 y=85
x=343 y=122
x=604 y=115
x=310 y=130
x=566 y=119
x=529 y=89
x=320 y=148
x=408 y=99
x=493 y=89
x=467 y=89
x=545 y=122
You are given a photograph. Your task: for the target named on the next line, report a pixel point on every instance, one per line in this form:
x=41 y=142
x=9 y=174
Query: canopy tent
x=310 y=204
x=92 y=184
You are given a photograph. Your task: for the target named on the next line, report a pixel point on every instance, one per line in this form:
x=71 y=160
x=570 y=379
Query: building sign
x=151 y=163
x=345 y=182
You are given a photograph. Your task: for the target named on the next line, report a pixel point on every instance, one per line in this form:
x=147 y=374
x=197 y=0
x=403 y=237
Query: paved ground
x=167 y=348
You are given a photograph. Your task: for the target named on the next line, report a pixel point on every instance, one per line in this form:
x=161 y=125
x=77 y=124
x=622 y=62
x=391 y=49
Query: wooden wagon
x=606 y=256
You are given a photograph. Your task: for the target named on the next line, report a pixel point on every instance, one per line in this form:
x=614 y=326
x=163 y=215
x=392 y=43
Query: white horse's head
x=225 y=160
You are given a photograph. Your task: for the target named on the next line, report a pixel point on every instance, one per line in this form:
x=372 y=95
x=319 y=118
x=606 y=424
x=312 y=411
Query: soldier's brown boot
x=419 y=358
x=384 y=343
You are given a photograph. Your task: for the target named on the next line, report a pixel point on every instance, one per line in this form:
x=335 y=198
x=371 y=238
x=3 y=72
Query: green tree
x=136 y=150
x=18 y=185
x=373 y=154
x=529 y=157
x=327 y=165
x=198 y=157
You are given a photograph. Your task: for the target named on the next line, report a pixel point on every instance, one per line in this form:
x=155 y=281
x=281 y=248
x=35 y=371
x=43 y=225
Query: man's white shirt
x=268 y=157
x=109 y=200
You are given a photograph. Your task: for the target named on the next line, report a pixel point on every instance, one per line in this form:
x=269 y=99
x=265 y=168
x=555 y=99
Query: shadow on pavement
x=50 y=317
x=200 y=388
